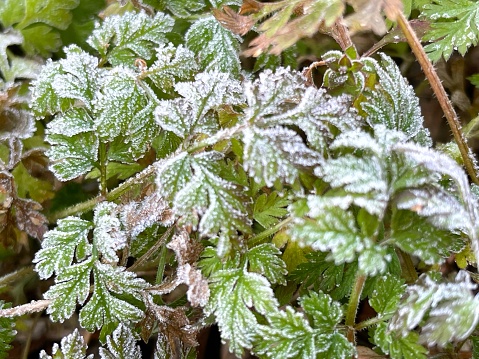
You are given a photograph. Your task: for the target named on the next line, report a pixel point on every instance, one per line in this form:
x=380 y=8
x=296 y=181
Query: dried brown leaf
x=236 y=23
x=187 y=249
x=250 y=7
x=29 y=219
x=368 y=15
x=198 y=291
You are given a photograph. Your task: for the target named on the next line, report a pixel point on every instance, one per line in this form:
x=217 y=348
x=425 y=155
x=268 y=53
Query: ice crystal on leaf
x=233 y=293
x=445 y=311
x=184 y=8
x=171 y=64
x=193 y=185
x=276 y=153
x=121 y=39
x=313 y=334
x=453 y=26
x=107 y=234
x=121 y=344
x=72 y=346
x=217 y=49
x=393 y=102
x=62 y=245
x=265 y=259
x=405 y=347
x=193 y=113
x=7 y=333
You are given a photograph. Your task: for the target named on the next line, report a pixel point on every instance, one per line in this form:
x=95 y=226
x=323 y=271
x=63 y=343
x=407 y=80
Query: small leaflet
x=265 y=259
x=122 y=38
x=108 y=237
x=121 y=344
x=192 y=114
x=217 y=48
x=7 y=332
x=72 y=346
x=446 y=311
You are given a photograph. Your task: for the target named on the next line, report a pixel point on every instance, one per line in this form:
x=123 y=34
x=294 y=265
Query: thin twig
x=438 y=89
x=32 y=307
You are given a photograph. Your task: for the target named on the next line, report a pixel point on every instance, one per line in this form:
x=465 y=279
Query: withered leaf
x=236 y=23
x=29 y=219
x=368 y=15
x=187 y=249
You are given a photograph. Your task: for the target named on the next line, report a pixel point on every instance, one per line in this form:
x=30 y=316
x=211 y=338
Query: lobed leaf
x=121 y=344
x=265 y=259
x=72 y=346
x=7 y=333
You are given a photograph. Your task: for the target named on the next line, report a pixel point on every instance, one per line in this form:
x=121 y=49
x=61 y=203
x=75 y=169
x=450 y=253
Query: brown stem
x=440 y=93
x=340 y=33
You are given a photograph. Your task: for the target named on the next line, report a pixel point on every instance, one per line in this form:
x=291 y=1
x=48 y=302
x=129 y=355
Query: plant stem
x=353 y=306
x=438 y=89
x=112 y=195
x=32 y=307
x=161 y=265
x=253 y=241
x=407 y=267
x=103 y=162
x=152 y=250
x=369 y=322
x=11 y=277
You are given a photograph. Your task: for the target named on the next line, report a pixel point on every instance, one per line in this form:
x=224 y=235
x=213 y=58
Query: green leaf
x=193 y=185
x=195 y=112
x=290 y=335
x=413 y=235
x=54 y=13
x=233 y=293
x=334 y=280
x=72 y=286
x=7 y=333
x=405 y=347
x=265 y=259
x=72 y=156
x=394 y=103
x=445 y=311
x=121 y=39
x=72 y=346
x=108 y=238
x=453 y=26
x=216 y=48
x=387 y=293
x=475 y=346
x=104 y=308
x=276 y=153
x=62 y=245
x=121 y=344
x=268 y=209
x=184 y=8
x=41 y=39
x=172 y=64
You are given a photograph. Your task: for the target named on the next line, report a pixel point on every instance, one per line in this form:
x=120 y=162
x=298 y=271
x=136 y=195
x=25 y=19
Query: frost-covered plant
x=257 y=202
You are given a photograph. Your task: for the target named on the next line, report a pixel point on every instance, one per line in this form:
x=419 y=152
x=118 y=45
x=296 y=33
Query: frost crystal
x=107 y=234
x=72 y=346
x=121 y=344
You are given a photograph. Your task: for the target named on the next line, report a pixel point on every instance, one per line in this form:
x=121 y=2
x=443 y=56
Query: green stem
x=12 y=277
x=369 y=322
x=353 y=306
x=103 y=163
x=257 y=239
x=112 y=195
x=440 y=93
x=161 y=265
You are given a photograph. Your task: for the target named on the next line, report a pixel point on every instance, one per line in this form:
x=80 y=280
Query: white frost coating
x=71 y=123
x=79 y=77
x=434 y=304
x=72 y=347
x=121 y=344
x=198 y=291
x=137 y=216
x=108 y=237
x=276 y=153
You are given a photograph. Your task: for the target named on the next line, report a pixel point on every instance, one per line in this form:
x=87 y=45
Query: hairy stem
x=32 y=307
x=440 y=93
x=369 y=322
x=12 y=277
x=353 y=306
x=152 y=250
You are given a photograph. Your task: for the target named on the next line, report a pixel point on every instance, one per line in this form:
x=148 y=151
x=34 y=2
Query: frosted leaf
x=121 y=39
x=44 y=98
x=121 y=344
x=393 y=102
x=120 y=99
x=193 y=185
x=72 y=286
x=138 y=216
x=6 y=39
x=265 y=259
x=218 y=3
x=446 y=311
x=323 y=225
x=60 y=246
x=171 y=64
x=190 y=115
x=108 y=237
x=406 y=347
x=233 y=293
x=387 y=293
x=414 y=235
x=184 y=8
x=72 y=346
x=216 y=48
x=273 y=93
x=104 y=307
x=276 y=153
x=71 y=123
x=79 y=77
x=289 y=334
x=186 y=248
x=198 y=291
x=15 y=123
x=72 y=156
